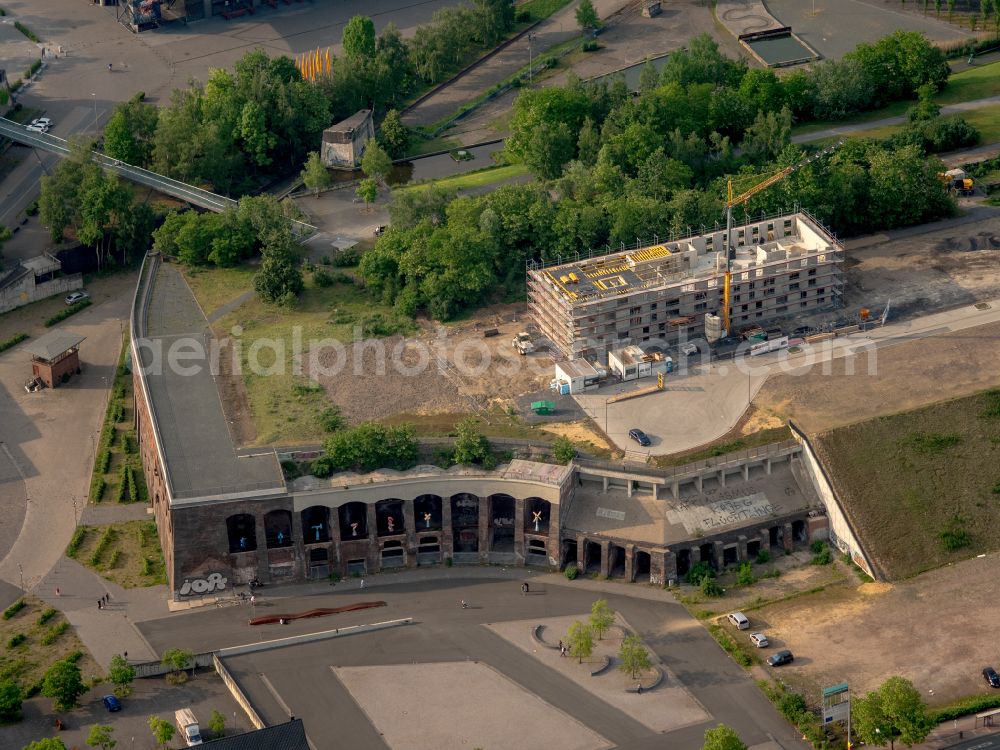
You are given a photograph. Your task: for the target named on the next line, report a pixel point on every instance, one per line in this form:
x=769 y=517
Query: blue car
x=111 y=703
x=639 y=436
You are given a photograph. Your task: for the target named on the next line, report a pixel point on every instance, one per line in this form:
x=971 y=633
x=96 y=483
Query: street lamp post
x=93 y=98
x=530 y=37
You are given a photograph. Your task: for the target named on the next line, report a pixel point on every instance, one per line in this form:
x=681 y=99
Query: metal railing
x=194 y=195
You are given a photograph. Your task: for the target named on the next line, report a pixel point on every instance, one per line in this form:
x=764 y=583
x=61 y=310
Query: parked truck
x=522 y=343
x=187 y=725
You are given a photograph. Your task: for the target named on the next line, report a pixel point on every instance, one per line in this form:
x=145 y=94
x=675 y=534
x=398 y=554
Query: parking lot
x=151 y=697
x=933 y=629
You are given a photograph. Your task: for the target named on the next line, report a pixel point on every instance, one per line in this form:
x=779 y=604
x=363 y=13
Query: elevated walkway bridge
x=194 y=195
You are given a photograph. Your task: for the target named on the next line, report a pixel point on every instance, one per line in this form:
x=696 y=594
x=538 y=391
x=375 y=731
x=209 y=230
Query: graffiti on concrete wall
x=207 y=585
x=706 y=517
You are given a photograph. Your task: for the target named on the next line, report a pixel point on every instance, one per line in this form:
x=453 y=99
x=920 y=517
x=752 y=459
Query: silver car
x=759 y=640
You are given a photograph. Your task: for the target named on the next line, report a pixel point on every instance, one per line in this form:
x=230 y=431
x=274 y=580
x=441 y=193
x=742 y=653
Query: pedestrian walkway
x=560 y=27
x=842 y=130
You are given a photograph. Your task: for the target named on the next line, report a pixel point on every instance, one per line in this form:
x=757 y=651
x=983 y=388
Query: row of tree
x=446 y=254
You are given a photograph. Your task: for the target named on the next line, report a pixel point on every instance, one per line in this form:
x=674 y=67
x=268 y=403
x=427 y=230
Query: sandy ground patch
x=439 y=371
x=395 y=699
x=933 y=630
x=578 y=432
x=666 y=708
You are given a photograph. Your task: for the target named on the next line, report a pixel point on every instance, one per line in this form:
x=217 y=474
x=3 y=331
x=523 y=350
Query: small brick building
x=55 y=355
x=344 y=143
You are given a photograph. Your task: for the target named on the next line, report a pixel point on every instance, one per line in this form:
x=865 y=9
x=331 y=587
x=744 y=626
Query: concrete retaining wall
x=237 y=692
x=841 y=531
x=250 y=648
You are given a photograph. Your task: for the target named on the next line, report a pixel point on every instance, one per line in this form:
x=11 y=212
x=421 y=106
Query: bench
x=602 y=667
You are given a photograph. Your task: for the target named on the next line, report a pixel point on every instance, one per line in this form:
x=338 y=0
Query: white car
x=43 y=121
x=38 y=128
x=759 y=640
x=688 y=349
x=75 y=297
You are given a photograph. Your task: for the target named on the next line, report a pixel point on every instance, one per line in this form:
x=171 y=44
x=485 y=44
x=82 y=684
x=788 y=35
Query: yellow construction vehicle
x=742 y=199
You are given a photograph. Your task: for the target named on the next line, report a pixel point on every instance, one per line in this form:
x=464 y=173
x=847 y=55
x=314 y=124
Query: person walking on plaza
x=362 y=583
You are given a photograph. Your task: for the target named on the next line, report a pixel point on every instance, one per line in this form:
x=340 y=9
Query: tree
x=722 y=738
x=367 y=191
x=102 y=736
x=279 y=280
x=314 y=173
x=371 y=446
x=49 y=743
x=926 y=108
x=63 y=683
x=563 y=449
x=393 y=135
x=10 y=701
x=894 y=711
x=359 y=39
x=633 y=655
x=121 y=674
x=178 y=659
x=602 y=617
x=470 y=445
x=580 y=641
x=586 y=16
x=163 y=731
x=131 y=131
x=217 y=724
x=548 y=148
x=375 y=162
x=768 y=135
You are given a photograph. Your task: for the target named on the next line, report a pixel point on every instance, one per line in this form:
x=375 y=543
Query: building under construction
x=779 y=267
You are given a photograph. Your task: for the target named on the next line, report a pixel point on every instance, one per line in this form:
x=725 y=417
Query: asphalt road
x=978 y=743
x=298 y=679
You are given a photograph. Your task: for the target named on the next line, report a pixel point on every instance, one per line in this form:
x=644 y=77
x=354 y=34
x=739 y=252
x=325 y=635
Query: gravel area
x=395 y=699
x=664 y=709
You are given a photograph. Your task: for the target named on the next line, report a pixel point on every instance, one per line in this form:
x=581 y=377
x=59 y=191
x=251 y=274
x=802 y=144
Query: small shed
x=632 y=363
x=576 y=376
x=55 y=356
x=344 y=143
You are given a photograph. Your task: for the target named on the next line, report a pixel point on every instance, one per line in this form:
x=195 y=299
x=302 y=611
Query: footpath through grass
x=923 y=487
x=975 y=83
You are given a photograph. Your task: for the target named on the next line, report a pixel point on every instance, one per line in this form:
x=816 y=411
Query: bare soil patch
x=578 y=432
x=932 y=630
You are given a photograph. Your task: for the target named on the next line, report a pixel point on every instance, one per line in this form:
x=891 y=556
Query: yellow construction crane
x=742 y=199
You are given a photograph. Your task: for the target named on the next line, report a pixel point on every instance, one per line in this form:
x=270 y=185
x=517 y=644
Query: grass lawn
x=540 y=9
x=922 y=487
x=480 y=178
x=287 y=407
x=219 y=286
x=127 y=553
x=725 y=445
x=433 y=146
x=974 y=83
x=27 y=660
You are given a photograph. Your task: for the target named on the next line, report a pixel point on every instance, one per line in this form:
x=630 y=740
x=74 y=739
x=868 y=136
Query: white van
x=739 y=620
x=188 y=726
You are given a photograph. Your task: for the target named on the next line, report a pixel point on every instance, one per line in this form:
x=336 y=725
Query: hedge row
x=102 y=546
x=76 y=541
x=12 y=341
x=14 y=608
x=57 y=630
x=65 y=313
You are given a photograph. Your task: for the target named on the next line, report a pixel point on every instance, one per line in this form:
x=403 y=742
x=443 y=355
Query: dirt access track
x=919 y=273
x=932 y=629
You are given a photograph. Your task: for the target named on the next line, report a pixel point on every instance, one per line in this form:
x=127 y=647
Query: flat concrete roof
x=693 y=515
x=201 y=460
x=53 y=344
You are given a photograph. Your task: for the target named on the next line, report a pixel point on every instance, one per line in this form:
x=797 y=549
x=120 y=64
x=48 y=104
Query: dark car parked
x=782 y=657
x=991 y=677
x=639 y=436
x=111 y=703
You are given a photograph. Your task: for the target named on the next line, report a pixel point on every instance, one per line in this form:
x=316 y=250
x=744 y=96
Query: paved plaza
x=330 y=684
